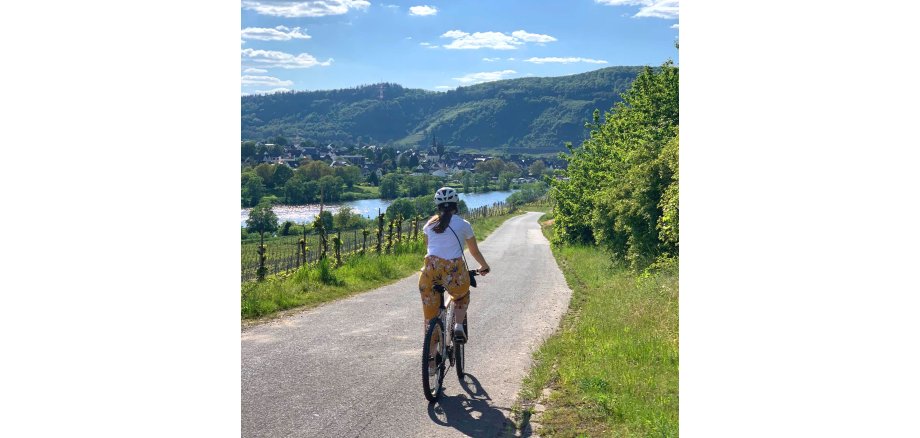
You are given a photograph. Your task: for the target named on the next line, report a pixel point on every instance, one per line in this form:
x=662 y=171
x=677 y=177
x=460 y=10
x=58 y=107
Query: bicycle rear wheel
x=432 y=383
x=459 y=351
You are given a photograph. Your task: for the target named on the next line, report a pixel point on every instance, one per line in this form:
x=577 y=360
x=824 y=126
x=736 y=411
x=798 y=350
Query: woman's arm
x=474 y=251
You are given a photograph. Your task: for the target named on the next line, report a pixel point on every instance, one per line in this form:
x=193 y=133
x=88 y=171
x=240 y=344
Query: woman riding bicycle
x=444 y=264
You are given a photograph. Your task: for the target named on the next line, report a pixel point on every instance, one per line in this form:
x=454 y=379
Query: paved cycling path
x=352 y=368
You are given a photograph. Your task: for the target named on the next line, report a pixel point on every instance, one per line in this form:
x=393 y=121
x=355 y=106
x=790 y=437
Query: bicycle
x=446 y=347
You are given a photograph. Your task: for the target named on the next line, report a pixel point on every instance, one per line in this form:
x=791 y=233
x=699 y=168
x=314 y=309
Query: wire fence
x=286 y=253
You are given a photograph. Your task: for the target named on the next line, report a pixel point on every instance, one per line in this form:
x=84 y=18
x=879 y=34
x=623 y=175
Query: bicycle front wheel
x=433 y=381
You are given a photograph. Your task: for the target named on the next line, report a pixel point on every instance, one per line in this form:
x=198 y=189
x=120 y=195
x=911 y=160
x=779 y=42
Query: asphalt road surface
x=352 y=368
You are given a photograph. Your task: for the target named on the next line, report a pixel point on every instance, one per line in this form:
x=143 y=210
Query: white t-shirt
x=445 y=245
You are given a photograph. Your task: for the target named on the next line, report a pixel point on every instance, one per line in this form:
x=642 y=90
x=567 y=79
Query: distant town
x=434 y=160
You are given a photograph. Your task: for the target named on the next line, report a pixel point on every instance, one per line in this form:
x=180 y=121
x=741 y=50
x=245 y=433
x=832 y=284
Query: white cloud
x=255 y=70
x=279 y=33
x=265 y=81
x=423 y=10
x=272 y=91
x=443 y=87
x=310 y=8
x=492 y=40
x=429 y=45
x=486 y=76
x=273 y=59
x=511 y=59
x=532 y=37
x=674 y=26
x=491 y=59
x=569 y=60
x=667 y=9
x=390 y=6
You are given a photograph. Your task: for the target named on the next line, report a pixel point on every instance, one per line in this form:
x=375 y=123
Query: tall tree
x=389 y=186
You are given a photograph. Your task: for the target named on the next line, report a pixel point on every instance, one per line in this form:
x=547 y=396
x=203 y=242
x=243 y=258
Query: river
x=366 y=207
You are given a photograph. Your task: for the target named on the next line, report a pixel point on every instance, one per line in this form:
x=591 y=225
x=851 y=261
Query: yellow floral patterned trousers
x=449 y=273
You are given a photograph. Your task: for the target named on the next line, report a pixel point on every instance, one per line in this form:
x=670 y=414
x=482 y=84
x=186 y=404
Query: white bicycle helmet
x=445 y=195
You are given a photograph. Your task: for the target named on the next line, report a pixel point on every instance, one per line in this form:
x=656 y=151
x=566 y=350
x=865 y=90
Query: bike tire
x=460 y=351
x=432 y=384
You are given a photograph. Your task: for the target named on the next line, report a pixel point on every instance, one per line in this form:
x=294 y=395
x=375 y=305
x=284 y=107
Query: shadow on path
x=471 y=413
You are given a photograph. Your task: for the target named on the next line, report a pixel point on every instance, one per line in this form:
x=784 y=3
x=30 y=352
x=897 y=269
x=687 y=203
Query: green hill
x=520 y=115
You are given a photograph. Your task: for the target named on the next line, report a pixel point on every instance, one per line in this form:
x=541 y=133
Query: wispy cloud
x=675 y=26
x=568 y=60
x=428 y=45
x=389 y=6
x=310 y=8
x=255 y=70
x=532 y=37
x=423 y=10
x=265 y=81
x=279 y=33
x=274 y=59
x=667 y=9
x=491 y=59
x=486 y=76
x=444 y=87
x=493 y=40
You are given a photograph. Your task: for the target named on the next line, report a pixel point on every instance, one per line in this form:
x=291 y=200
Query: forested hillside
x=518 y=115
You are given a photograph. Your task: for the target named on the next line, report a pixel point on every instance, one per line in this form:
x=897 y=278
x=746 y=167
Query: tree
x=349 y=174
x=504 y=180
x=280 y=141
x=373 y=179
x=331 y=187
x=491 y=167
x=403 y=161
x=299 y=190
x=266 y=171
x=404 y=206
x=314 y=170
x=413 y=160
x=281 y=175
x=467 y=182
x=344 y=218
x=252 y=188
x=537 y=168
x=262 y=220
x=247 y=150
x=389 y=186
x=513 y=169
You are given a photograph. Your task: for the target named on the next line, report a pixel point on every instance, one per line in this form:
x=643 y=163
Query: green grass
x=613 y=365
x=317 y=283
x=366 y=192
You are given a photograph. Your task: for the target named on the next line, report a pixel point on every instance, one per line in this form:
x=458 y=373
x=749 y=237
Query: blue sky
x=442 y=44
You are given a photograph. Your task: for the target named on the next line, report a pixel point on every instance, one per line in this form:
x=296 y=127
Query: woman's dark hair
x=445 y=213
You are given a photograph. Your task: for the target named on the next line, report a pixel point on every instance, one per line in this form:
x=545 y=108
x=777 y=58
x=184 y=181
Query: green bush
x=621 y=187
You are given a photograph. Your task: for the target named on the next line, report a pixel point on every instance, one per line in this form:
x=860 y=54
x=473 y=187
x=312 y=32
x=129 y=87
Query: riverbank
x=367 y=207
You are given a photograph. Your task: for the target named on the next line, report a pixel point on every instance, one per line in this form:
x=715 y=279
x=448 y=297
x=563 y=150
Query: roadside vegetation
x=612 y=368
x=321 y=282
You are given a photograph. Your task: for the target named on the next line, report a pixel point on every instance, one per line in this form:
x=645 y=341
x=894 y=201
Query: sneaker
x=459 y=334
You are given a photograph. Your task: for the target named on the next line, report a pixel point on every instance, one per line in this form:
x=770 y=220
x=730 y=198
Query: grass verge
x=612 y=368
x=319 y=283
